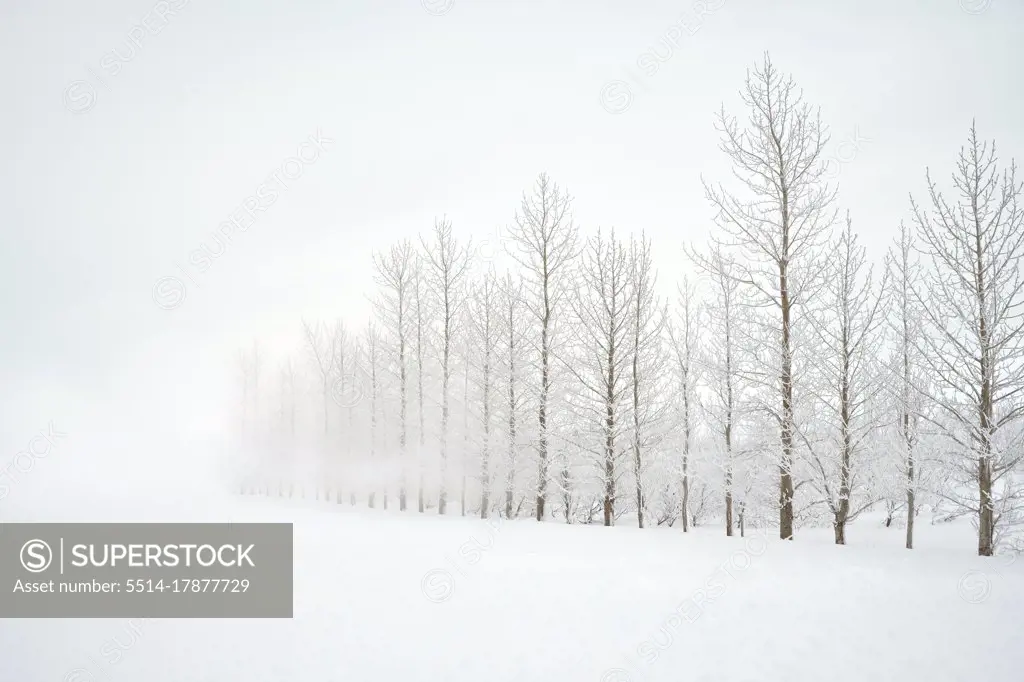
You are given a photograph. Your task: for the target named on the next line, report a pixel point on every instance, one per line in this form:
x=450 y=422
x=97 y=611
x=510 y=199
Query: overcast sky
x=117 y=166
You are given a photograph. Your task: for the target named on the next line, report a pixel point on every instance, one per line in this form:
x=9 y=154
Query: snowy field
x=390 y=596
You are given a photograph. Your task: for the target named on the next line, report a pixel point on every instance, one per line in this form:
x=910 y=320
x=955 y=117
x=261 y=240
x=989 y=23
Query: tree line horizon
x=789 y=381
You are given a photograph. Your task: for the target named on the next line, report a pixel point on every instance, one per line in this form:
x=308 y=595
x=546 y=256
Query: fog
x=111 y=182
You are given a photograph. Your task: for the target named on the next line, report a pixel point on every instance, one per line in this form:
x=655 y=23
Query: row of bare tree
x=782 y=381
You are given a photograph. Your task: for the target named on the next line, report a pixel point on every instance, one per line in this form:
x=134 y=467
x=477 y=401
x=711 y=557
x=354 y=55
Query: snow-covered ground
x=390 y=596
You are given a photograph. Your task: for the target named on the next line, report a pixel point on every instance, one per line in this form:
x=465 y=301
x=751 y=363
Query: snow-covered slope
x=390 y=596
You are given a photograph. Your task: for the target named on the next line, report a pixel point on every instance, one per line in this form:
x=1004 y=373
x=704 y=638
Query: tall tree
x=975 y=340
x=602 y=307
x=511 y=302
x=684 y=337
x=288 y=398
x=905 y=321
x=485 y=316
x=466 y=364
x=374 y=352
x=344 y=386
x=647 y=319
x=421 y=314
x=848 y=330
x=448 y=263
x=722 y=363
x=778 y=158
x=544 y=236
x=394 y=274
x=320 y=344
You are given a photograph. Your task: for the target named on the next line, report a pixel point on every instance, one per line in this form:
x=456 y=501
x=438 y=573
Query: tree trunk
x=840 y=531
x=686 y=448
x=465 y=436
x=511 y=473
x=910 y=519
x=485 y=473
x=542 y=421
x=442 y=497
x=402 y=502
x=842 y=514
x=786 y=466
x=728 y=513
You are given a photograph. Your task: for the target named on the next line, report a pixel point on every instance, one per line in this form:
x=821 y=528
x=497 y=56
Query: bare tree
x=721 y=362
x=975 y=339
x=320 y=343
x=485 y=318
x=465 y=424
x=374 y=352
x=289 y=397
x=394 y=274
x=602 y=306
x=346 y=383
x=359 y=372
x=421 y=315
x=448 y=264
x=285 y=428
x=849 y=365
x=647 y=320
x=905 y=323
x=683 y=336
x=778 y=158
x=544 y=236
x=511 y=299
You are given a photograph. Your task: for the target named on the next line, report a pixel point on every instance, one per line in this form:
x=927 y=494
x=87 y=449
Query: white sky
x=453 y=114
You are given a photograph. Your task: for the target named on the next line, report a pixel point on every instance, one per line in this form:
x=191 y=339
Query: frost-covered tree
x=447 y=263
x=514 y=335
x=394 y=276
x=848 y=363
x=905 y=319
x=684 y=337
x=485 y=319
x=647 y=357
x=974 y=343
x=544 y=237
x=723 y=365
x=602 y=307
x=320 y=346
x=777 y=227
